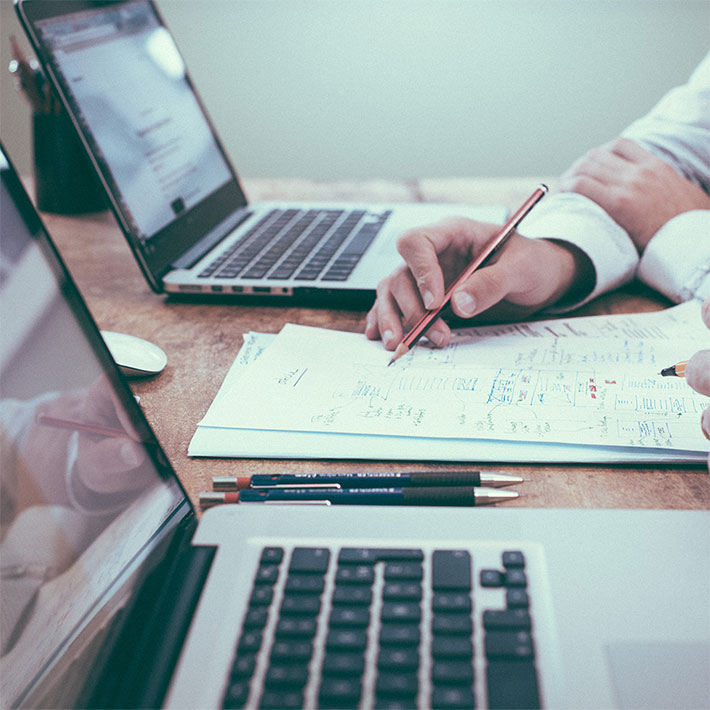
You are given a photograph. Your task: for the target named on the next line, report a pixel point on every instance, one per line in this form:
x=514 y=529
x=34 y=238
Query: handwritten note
x=590 y=381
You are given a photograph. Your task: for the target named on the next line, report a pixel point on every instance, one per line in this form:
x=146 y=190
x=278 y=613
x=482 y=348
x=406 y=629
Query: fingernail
x=369 y=322
x=428 y=299
x=387 y=336
x=436 y=337
x=464 y=303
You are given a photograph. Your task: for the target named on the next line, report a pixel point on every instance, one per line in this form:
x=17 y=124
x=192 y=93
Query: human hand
x=528 y=274
x=697 y=374
x=109 y=464
x=639 y=191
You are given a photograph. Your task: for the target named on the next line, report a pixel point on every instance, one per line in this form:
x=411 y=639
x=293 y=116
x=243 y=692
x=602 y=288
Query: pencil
x=497 y=242
x=97 y=429
x=677 y=370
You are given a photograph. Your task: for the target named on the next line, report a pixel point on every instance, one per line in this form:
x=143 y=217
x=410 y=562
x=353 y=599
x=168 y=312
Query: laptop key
x=453 y=698
x=346 y=639
x=309 y=559
x=398 y=659
x=509 y=644
x=272 y=555
x=304 y=584
x=451 y=601
x=402 y=591
x=352 y=594
x=513 y=558
x=452 y=672
x=451 y=569
x=516 y=598
x=356 y=555
x=339 y=692
x=449 y=646
x=300 y=605
x=399 y=634
x=343 y=664
x=506 y=619
x=454 y=624
x=394 y=683
x=349 y=617
x=403 y=570
x=511 y=685
x=237 y=694
x=286 y=676
x=296 y=628
x=281 y=699
x=355 y=574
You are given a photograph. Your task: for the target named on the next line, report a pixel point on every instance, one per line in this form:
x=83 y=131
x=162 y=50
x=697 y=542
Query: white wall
x=404 y=88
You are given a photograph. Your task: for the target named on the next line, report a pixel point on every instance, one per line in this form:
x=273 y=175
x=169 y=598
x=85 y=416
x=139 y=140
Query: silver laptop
x=112 y=595
x=171 y=186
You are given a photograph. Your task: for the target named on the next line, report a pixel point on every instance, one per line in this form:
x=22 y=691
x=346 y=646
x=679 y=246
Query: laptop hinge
x=143 y=659
x=189 y=258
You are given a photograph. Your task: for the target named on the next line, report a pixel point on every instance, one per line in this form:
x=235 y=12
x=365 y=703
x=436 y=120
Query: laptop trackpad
x=660 y=674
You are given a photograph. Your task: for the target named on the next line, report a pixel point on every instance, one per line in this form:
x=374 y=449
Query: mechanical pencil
x=365 y=480
x=451 y=495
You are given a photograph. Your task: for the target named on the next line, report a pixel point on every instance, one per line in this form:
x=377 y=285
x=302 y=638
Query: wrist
x=577 y=274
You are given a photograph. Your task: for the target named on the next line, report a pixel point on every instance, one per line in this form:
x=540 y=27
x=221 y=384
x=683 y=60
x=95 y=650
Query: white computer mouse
x=134 y=356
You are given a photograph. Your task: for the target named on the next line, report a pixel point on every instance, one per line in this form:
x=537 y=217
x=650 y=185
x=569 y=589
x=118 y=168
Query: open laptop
x=171 y=186
x=113 y=596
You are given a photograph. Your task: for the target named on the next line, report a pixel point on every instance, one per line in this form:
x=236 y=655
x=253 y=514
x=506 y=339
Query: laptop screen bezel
x=185 y=231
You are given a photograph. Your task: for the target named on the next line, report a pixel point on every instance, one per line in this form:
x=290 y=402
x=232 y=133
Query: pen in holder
x=65 y=180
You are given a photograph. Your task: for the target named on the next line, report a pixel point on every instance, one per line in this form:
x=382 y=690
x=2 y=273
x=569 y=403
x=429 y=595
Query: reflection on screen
x=80 y=495
x=129 y=82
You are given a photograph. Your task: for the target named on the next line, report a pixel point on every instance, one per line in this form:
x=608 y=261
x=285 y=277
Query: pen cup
x=65 y=180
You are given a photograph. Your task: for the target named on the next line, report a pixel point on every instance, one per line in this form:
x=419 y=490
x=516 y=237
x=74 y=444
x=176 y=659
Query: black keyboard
x=367 y=627
x=300 y=244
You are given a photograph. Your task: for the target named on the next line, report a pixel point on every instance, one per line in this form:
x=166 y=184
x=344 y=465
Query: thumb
x=484 y=289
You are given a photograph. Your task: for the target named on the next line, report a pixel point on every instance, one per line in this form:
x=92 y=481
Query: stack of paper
x=568 y=390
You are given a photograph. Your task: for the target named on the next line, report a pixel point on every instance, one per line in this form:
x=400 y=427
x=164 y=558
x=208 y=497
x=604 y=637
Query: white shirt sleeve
x=676 y=261
x=575 y=219
x=677 y=129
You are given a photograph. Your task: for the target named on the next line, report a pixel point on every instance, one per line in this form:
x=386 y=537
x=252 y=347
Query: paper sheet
x=586 y=381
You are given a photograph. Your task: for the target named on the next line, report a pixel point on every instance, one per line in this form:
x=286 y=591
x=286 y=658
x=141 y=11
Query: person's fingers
x=628 y=150
x=385 y=318
x=448 y=246
x=110 y=465
x=420 y=249
x=705 y=311
x=705 y=422
x=697 y=372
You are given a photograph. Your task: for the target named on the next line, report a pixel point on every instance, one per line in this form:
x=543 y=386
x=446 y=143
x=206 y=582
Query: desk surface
x=201 y=341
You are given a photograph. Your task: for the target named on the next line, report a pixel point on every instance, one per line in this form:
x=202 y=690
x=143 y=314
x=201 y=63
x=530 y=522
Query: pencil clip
x=329 y=486
x=287 y=502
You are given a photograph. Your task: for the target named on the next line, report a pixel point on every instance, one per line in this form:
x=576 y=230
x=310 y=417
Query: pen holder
x=65 y=180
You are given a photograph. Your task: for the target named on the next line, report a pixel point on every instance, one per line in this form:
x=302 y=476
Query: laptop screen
x=85 y=490
x=128 y=90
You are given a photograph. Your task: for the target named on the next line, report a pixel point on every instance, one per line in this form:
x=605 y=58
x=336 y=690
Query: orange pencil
x=677 y=370
x=500 y=238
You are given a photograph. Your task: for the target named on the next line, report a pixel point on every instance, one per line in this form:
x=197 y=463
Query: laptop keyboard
x=300 y=244
x=367 y=627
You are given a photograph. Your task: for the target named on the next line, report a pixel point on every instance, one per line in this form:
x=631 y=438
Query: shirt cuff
x=676 y=260
x=575 y=219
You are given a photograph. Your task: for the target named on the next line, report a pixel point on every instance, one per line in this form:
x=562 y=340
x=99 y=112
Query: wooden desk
x=201 y=341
